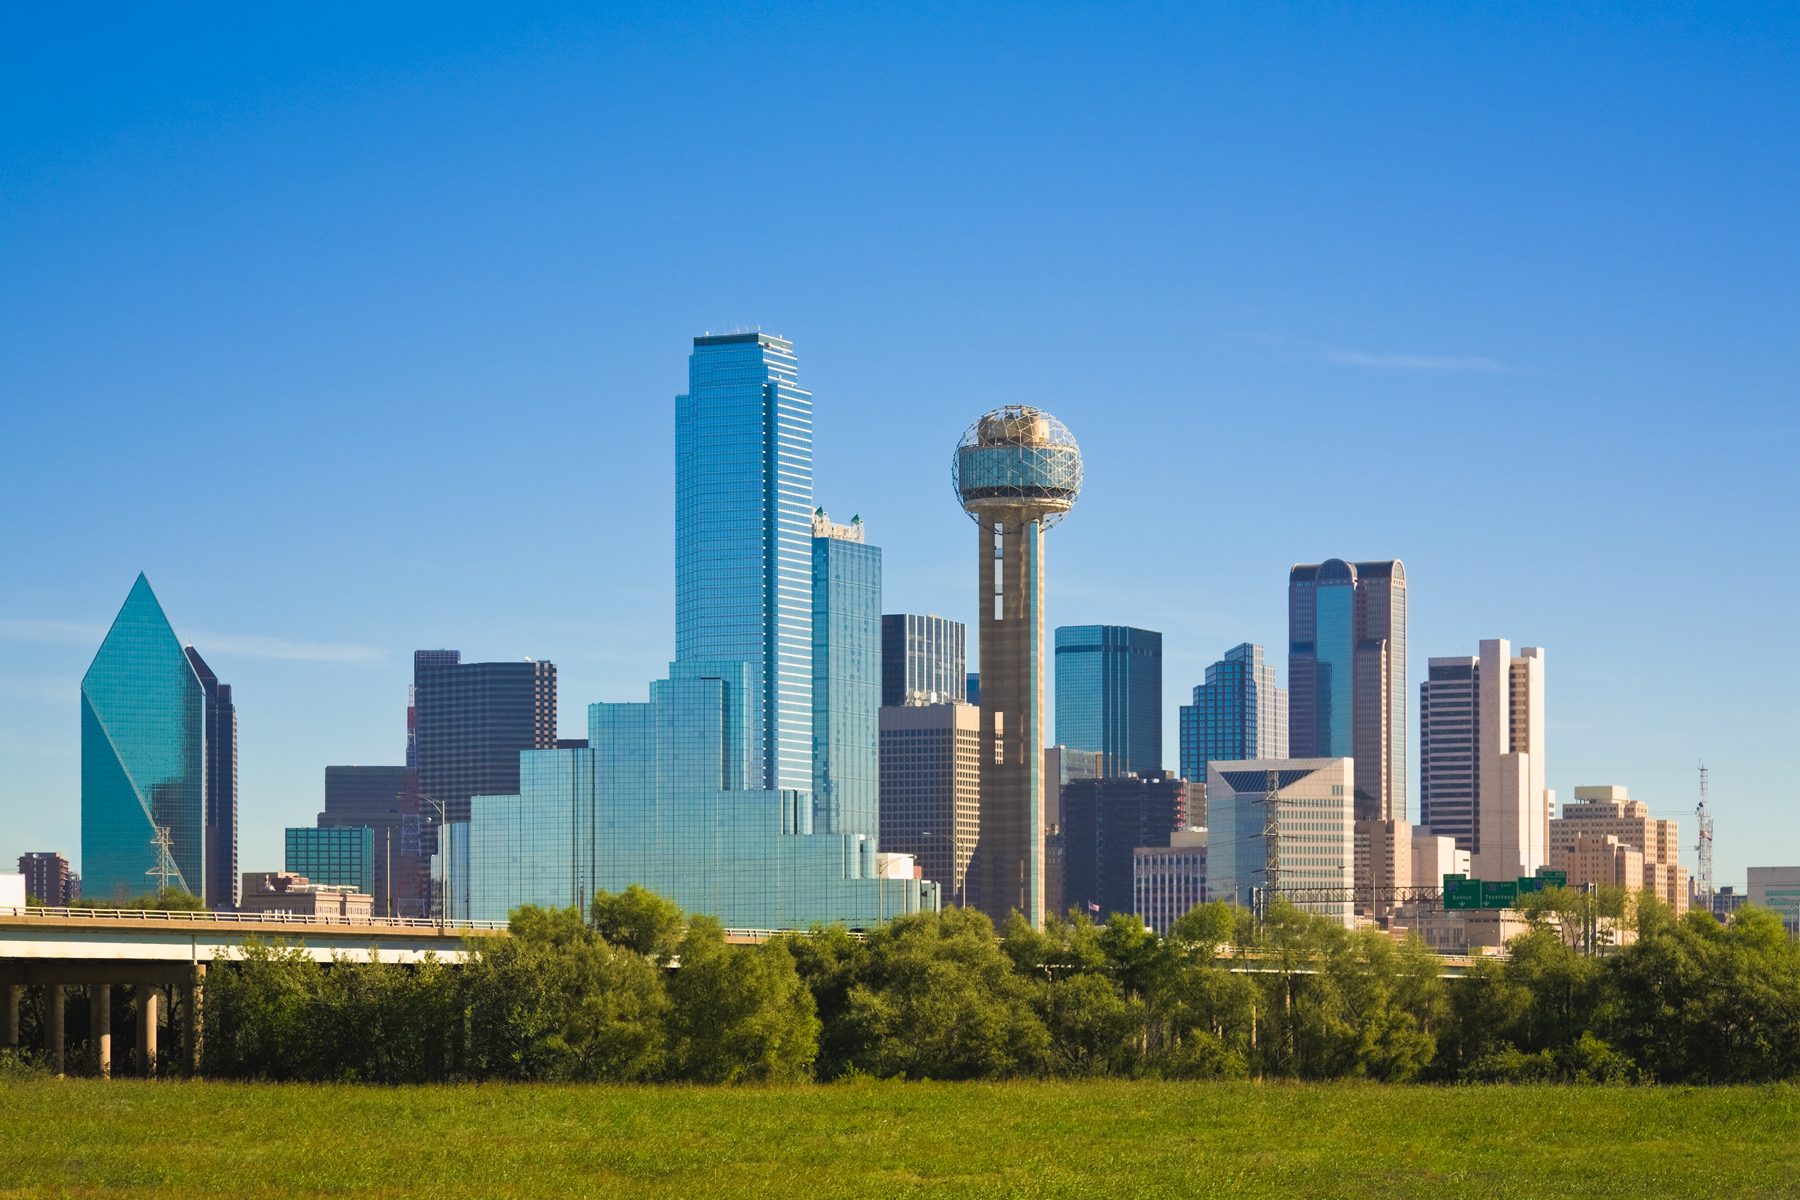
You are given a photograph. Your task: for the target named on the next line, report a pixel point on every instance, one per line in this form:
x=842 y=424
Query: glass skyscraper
x=1347 y=675
x=342 y=857
x=924 y=660
x=846 y=664
x=221 y=788
x=143 y=756
x=705 y=794
x=1109 y=695
x=1237 y=713
x=471 y=721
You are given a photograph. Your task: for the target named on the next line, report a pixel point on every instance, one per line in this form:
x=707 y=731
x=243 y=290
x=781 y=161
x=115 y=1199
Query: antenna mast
x=1703 y=848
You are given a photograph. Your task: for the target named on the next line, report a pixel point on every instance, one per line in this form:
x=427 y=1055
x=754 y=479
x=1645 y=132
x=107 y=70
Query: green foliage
x=739 y=1013
x=639 y=920
x=170 y=899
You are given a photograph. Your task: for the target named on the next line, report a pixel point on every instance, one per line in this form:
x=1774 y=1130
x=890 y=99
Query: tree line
x=638 y=991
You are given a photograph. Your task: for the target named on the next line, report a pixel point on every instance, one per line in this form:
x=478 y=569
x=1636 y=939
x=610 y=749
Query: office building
x=923 y=660
x=341 y=857
x=1347 y=675
x=371 y=798
x=931 y=789
x=1603 y=812
x=287 y=894
x=1312 y=856
x=1725 y=901
x=1169 y=880
x=1109 y=695
x=1063 y=766
x=1481 y=758
x=972 y=688
x=704 y=794
x=1018 y=473
x=1396 y=862
x=1237 y=713
x=143 y=757
x=1602 y=858
x=472 y=721
x=846 y=678
x=1777 y=888
x=1103 y=822
x=47 y=877
x=221 y=788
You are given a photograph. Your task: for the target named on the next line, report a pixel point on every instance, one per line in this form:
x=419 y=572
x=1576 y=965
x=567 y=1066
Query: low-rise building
x=285 y=892
x=1777 y=888
x=1169 y=880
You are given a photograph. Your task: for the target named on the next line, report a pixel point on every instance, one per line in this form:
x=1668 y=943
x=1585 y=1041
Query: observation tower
x=1017 y=472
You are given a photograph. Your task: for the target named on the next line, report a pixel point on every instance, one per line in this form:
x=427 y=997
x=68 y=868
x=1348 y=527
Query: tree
x=739 y=1013
x=640 y=921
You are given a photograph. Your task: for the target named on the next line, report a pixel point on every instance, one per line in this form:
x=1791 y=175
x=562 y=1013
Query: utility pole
x=443 y=827
x=1703 y=847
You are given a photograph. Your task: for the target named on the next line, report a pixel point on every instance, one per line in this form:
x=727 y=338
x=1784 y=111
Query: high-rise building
x=1109 y=695
x=743 y=539
x=1602 y=812
x=341 y=857
x=973 y=688
x=1062 y=766
x=1170 y=879
x=931 y=789
x=1018 y=472
x=472 y=721
x=143 y=757
x=371 y=798
x=1311 y=857
x=1347 y=675
x=705 y=793
x=923 y=660
x=47 y=876
x=846 y=678
x=221 y=788
x=1237 y=713
x=1481 y=758
x=1103 y=822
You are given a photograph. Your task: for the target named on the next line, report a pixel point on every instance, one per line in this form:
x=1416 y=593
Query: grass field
x=79 y=1138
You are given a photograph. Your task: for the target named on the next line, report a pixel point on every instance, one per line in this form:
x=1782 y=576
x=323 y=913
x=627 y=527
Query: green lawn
x=887 y=1140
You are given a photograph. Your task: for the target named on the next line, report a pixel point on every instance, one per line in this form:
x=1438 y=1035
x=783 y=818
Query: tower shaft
x=1010 y=850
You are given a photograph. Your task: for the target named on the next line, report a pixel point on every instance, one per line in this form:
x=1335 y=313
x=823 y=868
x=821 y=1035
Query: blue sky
x=359 y=333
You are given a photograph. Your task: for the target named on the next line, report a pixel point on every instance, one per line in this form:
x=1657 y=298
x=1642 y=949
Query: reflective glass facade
x=1109 y=695
x=1449 y=758
x=743 y=538
x=1317 y=839
x=472 y=719
x=221 y=788
x=1104 y=821
x=1237 y=713
x=846 y=664
x=342 y=857
x=924 y=660
x=143 y=755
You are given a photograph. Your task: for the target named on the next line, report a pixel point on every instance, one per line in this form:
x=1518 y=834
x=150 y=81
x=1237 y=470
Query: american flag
x=1092 y=907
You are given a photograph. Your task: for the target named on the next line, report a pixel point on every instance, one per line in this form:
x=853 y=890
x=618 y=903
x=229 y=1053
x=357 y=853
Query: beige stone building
x=295 y=895
x=1578 y=845
x=1392 y=856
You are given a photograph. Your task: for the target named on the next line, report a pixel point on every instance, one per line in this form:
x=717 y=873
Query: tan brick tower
x=1017 y=473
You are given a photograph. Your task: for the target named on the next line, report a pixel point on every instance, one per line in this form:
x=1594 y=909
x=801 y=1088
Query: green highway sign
x=1461 y=893
x=1499 y=893
x=1553 y=878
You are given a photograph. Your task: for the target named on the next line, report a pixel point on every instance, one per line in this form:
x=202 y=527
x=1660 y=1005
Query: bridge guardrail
x=258 y=918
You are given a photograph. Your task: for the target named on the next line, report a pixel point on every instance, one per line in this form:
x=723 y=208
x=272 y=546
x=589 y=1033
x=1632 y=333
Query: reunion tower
x=1017 y=472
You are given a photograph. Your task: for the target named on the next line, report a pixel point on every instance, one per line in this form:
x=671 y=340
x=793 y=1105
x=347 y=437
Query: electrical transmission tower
x=1703 y=884
x=165 y=867
x=1272 y=803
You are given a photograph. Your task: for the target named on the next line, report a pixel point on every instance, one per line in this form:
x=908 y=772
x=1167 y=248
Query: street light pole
x=443 y=825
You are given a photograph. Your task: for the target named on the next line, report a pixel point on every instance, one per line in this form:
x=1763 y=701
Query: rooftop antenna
x=1703 y=847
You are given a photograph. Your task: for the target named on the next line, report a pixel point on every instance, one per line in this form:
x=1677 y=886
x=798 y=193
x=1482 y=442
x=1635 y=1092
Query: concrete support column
x=100 y=1026
x=54 y=1042
x=192 y=1026
x=146 y=1030
x=9 y=1019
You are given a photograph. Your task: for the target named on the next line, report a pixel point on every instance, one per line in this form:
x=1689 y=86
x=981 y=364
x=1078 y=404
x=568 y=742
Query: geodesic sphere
x=1017 y=457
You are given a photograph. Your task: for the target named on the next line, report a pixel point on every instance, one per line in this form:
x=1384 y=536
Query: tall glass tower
x=1109 y=696
x=846 y=667
x=1347 y=675
x=743 y=540
x=1238 y=713
x=143 y=756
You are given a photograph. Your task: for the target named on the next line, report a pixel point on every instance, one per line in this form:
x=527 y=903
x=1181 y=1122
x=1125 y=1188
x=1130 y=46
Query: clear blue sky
x=359 y=331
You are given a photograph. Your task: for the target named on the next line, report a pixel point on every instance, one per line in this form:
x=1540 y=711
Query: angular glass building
x=924 y=660
x=1109 y=695
x=846 y=665
x=706 y=793
x=221 y=788
x=143 y=756
x=1237 y=713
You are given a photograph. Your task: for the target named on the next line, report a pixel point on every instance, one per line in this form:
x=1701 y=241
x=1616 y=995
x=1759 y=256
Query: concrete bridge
x=165 y=955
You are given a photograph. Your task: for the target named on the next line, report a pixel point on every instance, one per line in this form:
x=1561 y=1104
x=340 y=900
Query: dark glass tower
x=1109 y=695
x=846 y=683
x=1237 y=713
x=370 y=798
x=222 y=881
x=1103 y=822
x=1347 y=675
x=143 y=756
x=924 y=660
x=472 y=721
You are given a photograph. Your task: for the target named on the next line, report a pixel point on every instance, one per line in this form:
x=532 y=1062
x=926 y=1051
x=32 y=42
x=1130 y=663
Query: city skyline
x=352 y=307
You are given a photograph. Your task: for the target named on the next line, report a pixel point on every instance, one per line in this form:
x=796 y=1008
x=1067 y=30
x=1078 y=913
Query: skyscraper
x=1017 y=472
x=370 y=798
x=1347 y=675
x=931 y=789
x=221 y=789
x=743 y=540
x=143 y=756
x=1109 y=695
x=473 y=719
x=1237 y=713
x=846 y=678
x=1481 y=758
x=923 y=660
x=1103 y=822
x=47 y=877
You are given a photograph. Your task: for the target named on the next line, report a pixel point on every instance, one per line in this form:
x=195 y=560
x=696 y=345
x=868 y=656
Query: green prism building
x=746 y=788
x=342 y=856
x=143 y=757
